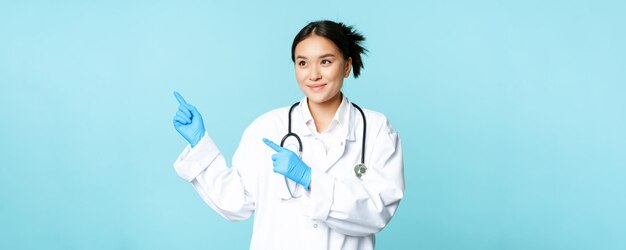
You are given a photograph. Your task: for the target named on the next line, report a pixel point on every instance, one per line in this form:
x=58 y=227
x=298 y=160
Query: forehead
x=315 y=46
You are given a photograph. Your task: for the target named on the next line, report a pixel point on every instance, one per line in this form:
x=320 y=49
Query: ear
x=347 y=67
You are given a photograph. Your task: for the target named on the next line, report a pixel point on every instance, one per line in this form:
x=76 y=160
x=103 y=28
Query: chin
x=316 y=98
x=320 y=98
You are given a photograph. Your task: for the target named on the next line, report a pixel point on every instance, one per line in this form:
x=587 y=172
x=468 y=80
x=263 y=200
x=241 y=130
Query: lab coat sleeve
x=362 y=207
x=220 y=187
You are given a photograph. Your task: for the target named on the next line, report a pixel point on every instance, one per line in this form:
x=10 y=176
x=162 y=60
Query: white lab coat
x=340 y=211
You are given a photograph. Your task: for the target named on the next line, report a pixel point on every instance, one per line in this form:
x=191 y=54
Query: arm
x=201 y=164
x=220 y=187
x=362 y=207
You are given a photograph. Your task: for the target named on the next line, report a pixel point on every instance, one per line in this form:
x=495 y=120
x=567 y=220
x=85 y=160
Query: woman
x=323 y=198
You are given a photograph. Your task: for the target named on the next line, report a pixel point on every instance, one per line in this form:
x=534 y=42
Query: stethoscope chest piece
x=360 y=169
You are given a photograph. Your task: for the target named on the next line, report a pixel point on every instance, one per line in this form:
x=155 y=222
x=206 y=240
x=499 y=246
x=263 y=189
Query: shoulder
x=271 y=116
x=377 y=121
x=268 y=121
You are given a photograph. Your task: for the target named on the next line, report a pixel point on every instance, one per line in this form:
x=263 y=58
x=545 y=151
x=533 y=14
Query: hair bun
x=355 y=47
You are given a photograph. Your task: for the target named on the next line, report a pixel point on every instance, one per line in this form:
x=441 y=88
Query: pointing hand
x=188 y=121
x=289 y=164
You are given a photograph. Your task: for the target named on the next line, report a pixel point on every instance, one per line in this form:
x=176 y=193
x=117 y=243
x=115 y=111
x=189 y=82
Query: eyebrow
x=323 y=56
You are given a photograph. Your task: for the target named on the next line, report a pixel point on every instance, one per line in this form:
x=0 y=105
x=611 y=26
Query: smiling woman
x=324 y=52
x=320 y=70
x=318 y=198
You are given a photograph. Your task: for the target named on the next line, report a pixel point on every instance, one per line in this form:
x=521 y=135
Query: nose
x=314 y=74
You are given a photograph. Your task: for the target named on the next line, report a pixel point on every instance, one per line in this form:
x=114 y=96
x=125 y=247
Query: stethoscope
x=359 y=169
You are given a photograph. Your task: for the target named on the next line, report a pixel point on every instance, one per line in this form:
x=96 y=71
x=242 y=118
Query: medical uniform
x=340 y=211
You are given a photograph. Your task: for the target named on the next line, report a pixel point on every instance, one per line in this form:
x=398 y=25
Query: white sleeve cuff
x=192 y=161
x=322 y=190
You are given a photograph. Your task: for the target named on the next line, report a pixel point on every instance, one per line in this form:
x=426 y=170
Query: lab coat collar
x=344 y=118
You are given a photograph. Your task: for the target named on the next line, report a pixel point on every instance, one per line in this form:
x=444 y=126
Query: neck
x=323 y=113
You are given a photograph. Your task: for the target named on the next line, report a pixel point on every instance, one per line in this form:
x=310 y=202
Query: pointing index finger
x=273 y=145
x=180 y=98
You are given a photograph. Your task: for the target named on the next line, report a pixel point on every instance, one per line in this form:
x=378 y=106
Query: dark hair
x=344 y=37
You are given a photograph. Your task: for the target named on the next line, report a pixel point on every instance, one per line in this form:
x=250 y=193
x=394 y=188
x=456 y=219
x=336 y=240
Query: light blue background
x=512 y=116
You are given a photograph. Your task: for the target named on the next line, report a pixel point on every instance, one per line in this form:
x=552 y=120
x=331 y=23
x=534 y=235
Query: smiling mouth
x=316 y=86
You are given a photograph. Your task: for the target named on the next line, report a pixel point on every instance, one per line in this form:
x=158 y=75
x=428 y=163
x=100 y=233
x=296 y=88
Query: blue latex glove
x=289 y=164
x=188 y=121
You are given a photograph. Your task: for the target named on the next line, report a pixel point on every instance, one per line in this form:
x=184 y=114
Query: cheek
x=334 y=72
x=300 y=76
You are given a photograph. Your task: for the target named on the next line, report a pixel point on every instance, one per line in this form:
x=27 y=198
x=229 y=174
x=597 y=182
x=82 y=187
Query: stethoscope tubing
x=359 y=168
x=289 y=133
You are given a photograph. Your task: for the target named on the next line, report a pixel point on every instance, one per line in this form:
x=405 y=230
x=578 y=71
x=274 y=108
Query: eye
x=302 y=63
x=326 y=61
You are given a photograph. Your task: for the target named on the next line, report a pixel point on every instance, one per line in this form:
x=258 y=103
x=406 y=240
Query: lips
x=316 y=87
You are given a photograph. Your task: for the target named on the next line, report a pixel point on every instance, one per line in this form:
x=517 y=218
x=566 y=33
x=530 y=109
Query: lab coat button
x=314 y=225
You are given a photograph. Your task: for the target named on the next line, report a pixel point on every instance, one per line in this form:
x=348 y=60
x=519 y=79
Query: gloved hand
x=289 y=164
x=188 y=121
